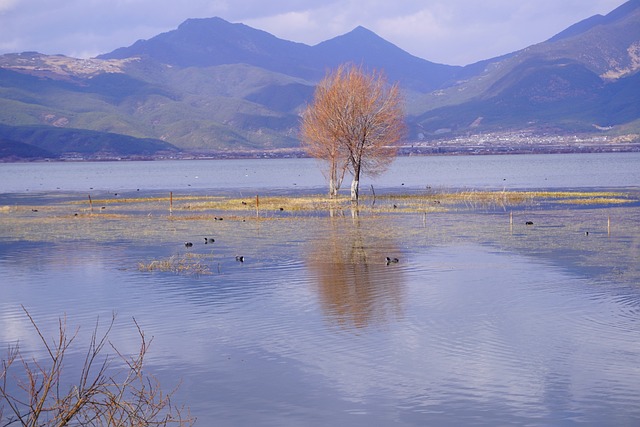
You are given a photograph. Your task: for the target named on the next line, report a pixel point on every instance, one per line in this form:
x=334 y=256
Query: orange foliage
x=354 y=122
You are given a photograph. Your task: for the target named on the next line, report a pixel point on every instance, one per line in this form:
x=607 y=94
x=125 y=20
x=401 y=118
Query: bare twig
x=101 y=397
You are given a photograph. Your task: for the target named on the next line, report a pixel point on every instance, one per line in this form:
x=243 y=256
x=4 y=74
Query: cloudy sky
x=455 y=32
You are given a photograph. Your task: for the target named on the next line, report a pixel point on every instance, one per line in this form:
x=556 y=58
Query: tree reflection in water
x=356 y=287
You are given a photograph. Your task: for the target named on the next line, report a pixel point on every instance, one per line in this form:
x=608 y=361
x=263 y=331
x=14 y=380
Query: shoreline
x=466 y=146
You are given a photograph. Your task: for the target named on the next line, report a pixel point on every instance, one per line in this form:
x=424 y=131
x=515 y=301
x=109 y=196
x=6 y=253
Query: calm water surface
x=479 y=323
x=479 y=172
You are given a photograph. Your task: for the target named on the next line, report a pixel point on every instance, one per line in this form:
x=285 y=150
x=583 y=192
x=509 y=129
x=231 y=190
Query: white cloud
x=6 y=5
x=289 y=25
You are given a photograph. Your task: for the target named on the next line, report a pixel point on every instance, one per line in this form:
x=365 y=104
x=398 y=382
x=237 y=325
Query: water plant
x=188 y=264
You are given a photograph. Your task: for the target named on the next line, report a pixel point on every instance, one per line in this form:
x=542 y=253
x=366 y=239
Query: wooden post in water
x=257 y=206
x=90 y=204
x=511 y=221
x=374 y=196
x=170 y=202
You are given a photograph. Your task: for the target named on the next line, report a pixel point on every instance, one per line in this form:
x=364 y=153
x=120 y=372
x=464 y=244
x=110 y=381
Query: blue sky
x=455 y=32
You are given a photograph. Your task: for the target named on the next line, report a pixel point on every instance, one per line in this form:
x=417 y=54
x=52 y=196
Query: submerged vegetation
x=594 y=228
x=140 y=214
x=180 y=264
x=433 y=200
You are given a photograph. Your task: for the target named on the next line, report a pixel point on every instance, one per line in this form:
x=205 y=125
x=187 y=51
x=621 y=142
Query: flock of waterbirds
x=208 y=240
x=240 y=258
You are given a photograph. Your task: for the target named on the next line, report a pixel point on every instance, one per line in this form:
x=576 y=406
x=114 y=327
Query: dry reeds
x=188 y=264
x=36 y=392
x=148 y=217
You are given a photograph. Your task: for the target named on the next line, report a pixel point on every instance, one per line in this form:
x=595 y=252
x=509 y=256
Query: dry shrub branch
x=35 y=393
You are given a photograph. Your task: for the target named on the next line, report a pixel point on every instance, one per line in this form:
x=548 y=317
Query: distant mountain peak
x=212 y=41
x=210 y=84
x=359 y=34
x=362 y=30
x=585 y=25
x=218 y=27
x=363 y=46
x=208 y=21
x=204 y=42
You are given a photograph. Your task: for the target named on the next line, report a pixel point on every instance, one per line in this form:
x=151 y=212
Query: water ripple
x=476 y=333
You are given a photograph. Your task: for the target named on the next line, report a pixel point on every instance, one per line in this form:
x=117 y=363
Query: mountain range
x=214 y=87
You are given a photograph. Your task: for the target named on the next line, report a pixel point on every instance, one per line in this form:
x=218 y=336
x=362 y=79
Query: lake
x=481 y=322
x=478 y=172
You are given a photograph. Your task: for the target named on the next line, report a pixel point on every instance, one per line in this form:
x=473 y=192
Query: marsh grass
x=405 y=202
x=488 y=200
x=596 y=201
x=561 y=220
x=188 y=264
x=149 y=218
x=159 y=200
x=272 y=204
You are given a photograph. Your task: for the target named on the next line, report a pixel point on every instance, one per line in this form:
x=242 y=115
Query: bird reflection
x=356 y=286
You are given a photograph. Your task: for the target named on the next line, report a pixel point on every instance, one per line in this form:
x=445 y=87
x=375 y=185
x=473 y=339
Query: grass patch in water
x=271 y=203
x=561 y=220
x=596 y=201
x=145 y=217
x=404 y=202
x=188 y=264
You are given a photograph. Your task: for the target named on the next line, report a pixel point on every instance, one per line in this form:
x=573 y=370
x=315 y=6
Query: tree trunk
x=333 y=189
x=335 y=178
x=355 y=184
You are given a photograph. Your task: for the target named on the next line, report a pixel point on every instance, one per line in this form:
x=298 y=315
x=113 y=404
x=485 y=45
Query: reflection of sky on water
x=476 y=325
x=479 y=336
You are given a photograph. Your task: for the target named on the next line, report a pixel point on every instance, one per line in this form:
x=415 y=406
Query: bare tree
x=355 y=122
x=34 y=393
